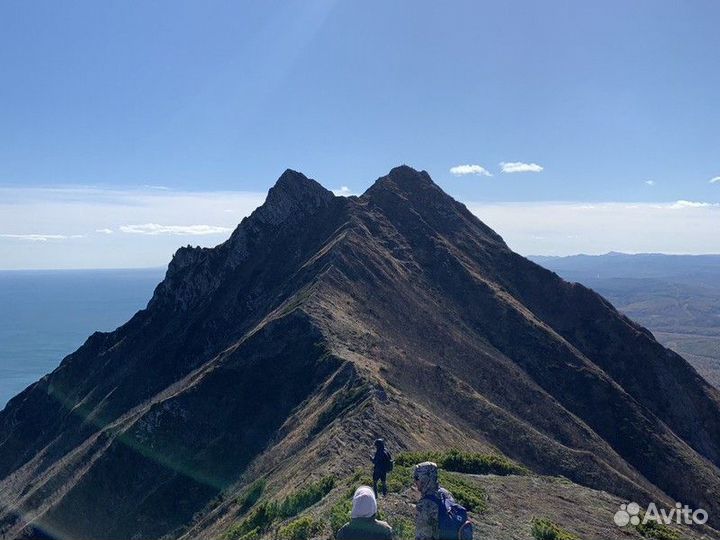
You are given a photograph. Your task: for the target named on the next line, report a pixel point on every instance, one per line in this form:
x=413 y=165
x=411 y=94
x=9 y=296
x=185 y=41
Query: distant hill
x=251 y=387
x=676 y=296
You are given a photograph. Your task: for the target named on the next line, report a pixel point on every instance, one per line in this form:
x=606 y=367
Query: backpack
x=389 y=463
x=453 y=521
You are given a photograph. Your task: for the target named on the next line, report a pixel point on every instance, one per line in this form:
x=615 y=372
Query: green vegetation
x=471 y=496
x=398 y=480
x=403 y=528
x=340 y=513
x=544 y=529
x=251 y=495
x=258 y=521
x=360 y=478
x=305 y=497
x=263 y=514
x=266 y=513
x=252 y=535
x=463 y=462
x=301 y=529
x=656 y=531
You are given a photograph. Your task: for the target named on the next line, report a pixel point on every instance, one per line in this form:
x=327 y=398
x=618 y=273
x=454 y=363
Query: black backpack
x=388 y=461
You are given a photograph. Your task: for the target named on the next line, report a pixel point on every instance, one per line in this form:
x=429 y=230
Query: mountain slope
x=676 y=296
x=324 y=322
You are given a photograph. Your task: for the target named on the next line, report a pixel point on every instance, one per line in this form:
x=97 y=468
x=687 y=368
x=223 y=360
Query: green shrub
x=251 y=495
x=408 y=459
x=340 y=513
x=301 y=529
x=260 y=519
x=399 y=479
x=233 y=532
x=471 y=496
x=264 y=514
x=360 y=478
x=252 y=535
x=298 y=501
x=544 y=529
x=656 y=531
x=403 y=528
x=463 y=462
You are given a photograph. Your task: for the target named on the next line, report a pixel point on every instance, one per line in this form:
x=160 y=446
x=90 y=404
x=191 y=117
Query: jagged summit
x=297 y=184
x=408 y=176
x=405 y=191
x=404 y=180
x=322 y=323
x=293 y=192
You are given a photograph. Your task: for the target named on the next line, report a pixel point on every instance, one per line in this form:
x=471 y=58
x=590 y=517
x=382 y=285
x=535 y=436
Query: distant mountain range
x=676 y=296
x=324 y=322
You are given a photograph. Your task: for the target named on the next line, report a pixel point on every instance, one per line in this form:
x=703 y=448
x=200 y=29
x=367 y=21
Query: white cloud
x=546 y=228
x=519 y=167
x=463 y=170
x=650 y=182
x=715 y=180
x=191 y=230
x=343 y=191
x=38 y=237
x=566 y=228
x=678 y=205
x=82 y=210
x=104 y=231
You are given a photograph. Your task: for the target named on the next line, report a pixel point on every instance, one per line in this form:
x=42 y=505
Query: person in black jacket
x=382 y=464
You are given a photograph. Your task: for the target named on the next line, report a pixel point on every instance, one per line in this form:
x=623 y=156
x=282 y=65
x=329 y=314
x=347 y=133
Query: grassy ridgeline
x=464 y=462
x=263 y=517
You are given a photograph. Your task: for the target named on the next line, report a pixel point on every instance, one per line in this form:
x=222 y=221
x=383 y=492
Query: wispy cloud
x=650 y=182
x=679 y=205
x=92 y=211
x=464 y=170
x=715 y=180
x=343 y=191
x=510 y=167
x=565 y=228
x=154 y=229
x=40 y=237
x=156 y=223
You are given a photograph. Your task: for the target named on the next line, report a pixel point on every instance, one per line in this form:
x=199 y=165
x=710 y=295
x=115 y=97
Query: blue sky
x=102 y=103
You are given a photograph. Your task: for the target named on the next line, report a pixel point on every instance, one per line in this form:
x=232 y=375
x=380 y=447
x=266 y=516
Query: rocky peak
x=293 y=193
x=405 y=191
x=404 y=180
x=411 y=186
x=184 y=257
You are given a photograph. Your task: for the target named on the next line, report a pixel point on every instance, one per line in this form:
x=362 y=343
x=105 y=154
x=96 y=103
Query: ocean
x=47 y=314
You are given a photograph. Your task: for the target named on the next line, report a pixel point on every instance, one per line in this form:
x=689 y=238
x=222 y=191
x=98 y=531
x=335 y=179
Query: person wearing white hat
x=362 y=524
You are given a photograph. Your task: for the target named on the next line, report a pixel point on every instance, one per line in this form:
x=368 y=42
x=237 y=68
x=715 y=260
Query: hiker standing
x=382 y=464
x=362 y=524
x=437 y=515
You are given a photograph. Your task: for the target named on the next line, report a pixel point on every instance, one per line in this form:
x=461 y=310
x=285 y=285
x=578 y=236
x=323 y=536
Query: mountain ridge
x=396 y=313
